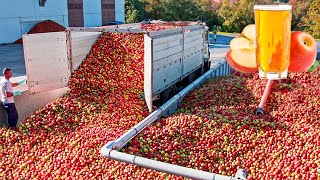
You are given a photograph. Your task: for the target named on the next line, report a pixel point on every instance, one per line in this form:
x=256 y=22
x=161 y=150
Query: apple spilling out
x=63 y=139
x=215 y=132
x=242 y=56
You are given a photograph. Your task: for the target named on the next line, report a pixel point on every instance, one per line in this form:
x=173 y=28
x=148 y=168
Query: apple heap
x=218 y=132
x=242 y=56
x=162 y=26
x=63 y=139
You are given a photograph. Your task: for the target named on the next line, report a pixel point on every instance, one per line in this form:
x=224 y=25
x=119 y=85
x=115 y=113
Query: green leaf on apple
x=314 y=66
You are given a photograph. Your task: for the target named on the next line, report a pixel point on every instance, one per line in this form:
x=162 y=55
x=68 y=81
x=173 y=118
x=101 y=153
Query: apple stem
x=264 y=97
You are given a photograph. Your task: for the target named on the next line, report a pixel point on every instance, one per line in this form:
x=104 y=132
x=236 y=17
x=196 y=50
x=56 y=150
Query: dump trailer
x=176 y=61
x=173 y=58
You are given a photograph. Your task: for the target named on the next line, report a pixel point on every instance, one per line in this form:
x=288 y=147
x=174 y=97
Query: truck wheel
x=191 y=77
x=168 y=94
x=206 y=66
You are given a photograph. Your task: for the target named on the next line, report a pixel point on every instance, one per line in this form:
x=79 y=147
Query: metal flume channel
x=110 y=150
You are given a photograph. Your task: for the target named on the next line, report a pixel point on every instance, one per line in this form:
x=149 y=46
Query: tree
x=237 y=15
x=208 y=14
x=311 y=22
x=155 y=9
x=135 y=10
x=299 y=9
x=183 y=10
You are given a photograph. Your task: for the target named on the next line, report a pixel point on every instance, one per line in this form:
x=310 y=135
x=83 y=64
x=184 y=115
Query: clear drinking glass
x=273 y=33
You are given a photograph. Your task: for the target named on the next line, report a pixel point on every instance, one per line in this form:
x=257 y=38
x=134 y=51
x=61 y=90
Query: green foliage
x=236 y=16
x=314 y=66
x=182 y=10
x=228 y=16
x=208 y=14
x=299 y=9
x=135 y=10
x=155 y=9
x=311 y=22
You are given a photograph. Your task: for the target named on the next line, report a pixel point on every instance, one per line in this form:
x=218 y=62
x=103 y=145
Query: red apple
x=303 y=51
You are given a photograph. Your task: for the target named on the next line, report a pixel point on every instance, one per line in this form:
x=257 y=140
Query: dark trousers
x=12 y=114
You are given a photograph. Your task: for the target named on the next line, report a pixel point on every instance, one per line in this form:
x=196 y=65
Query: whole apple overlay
x=303 y=52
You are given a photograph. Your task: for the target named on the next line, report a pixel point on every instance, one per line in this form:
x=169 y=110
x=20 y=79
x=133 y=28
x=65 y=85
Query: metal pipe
x=264 y=97
x=121 y=141
x=166 y=167
x=170 y=102
x=109 y=150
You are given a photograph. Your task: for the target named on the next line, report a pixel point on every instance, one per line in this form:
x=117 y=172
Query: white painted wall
x=19 y=16
x=92 y=13
x=120 y=10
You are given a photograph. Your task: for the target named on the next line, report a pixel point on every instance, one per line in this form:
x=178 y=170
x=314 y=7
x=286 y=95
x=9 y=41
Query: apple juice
x=273 y=33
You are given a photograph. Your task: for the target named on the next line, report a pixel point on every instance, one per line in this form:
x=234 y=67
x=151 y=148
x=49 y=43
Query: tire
x=168 y=94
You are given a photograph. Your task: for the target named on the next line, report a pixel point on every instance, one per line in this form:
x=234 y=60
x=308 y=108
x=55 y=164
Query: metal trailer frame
x=111 y=149
x=169 y=55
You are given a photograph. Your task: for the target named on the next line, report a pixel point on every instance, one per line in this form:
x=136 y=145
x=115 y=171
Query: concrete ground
x=219 y=49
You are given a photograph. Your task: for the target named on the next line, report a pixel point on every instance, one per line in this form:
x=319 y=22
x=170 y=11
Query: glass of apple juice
x=273 y=35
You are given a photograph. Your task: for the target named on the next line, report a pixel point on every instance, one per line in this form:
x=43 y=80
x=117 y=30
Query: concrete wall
x=120 y=10
x=92 y=13
x=27 y=104
x=18 y=17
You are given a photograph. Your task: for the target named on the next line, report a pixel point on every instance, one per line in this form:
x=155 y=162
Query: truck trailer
x=173 y=58
x=175 y=61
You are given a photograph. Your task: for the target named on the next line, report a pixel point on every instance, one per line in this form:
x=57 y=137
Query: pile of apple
x=216 y=128
x=63 y=139
x=215 y=132
x=220 y=133
x=156 y=27
x=163 y=25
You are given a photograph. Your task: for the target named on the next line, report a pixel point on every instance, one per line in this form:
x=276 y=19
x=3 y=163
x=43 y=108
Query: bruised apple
x=242 y=56
x=303 y=51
